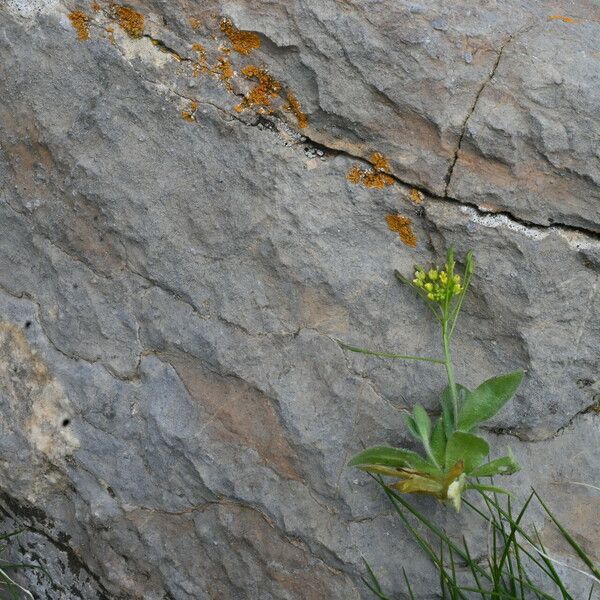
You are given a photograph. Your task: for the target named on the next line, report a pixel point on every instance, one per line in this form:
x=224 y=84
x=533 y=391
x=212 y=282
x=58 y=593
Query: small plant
x=454 y=455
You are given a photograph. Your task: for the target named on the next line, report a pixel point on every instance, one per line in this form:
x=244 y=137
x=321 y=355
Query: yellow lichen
x=402 y=226
x=261 y=95
x=561 y=18
x=190 y=114
x=130 y=20
x=80 y=22
x=243 y=42
x=416 y=196
x=294 y=106
x=378 y=176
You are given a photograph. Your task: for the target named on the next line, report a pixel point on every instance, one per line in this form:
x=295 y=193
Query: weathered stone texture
x=178 y=256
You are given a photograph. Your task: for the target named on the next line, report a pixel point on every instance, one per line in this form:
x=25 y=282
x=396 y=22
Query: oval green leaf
x=392 y=457
x=484 y=402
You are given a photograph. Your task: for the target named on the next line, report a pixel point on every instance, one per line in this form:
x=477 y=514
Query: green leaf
x=399 y=458
x=484 y=402
x=507 y=465
x=422 y=422
x=448 y=409
x=469 y=448
x=487 y=488
x=438 y=442
x=412 y=426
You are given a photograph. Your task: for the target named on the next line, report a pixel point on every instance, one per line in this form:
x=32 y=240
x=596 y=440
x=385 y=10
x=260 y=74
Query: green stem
x=450 y=371
x=389 y=354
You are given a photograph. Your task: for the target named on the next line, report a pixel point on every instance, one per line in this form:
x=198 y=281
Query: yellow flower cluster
x=438 y=285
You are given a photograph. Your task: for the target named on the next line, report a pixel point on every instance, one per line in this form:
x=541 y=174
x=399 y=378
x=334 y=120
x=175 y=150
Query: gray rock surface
x=177 y=255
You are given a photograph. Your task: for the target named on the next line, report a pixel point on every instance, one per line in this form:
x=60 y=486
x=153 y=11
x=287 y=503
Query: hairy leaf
x=392 y=457
x=422 y=422
x=448 y=408
x=484 y=402
x=438 y=442
x=507 y=465
x=468 y=448
x=487 y=488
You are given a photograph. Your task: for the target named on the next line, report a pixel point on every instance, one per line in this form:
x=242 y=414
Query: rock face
x=193 y=203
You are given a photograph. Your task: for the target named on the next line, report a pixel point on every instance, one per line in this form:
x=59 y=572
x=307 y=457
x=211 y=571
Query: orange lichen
x=96 y=7
x=260 y=96
x=201 y=65
x=561 y=18
x=380 y=162
x=194 y=22
x=190 y=114
x=402 y=226
x=294 y=106
x=80 y=22
x=378 y=176
x=416 y=196
x=224 y=71
x=243 y=42
x=354 y=174
x=130 y=20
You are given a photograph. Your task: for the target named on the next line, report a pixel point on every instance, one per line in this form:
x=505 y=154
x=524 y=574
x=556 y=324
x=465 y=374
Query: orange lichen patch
x=402 y=226
x=130 y=20
x=380 y=162
x=96 y=7
x=194 y=22
x=190 y=115
x=260 y=96
x=376 y=177
x=354 y=174
x=294 y=106
x=224 y=71
x=561 y=18
x=416 y=196
x=80 y=22
x=243 y=42
x=201 y=65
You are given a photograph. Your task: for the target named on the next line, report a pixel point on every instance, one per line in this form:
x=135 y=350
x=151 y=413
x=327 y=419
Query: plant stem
x=450 y=370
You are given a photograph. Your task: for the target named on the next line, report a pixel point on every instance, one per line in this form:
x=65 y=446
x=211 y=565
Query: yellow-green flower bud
x=433 y=274
x=431 y=296
x=428 y=286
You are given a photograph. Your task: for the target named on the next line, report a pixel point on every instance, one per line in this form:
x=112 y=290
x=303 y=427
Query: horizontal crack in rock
x=523 y=436
x=161 y=46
